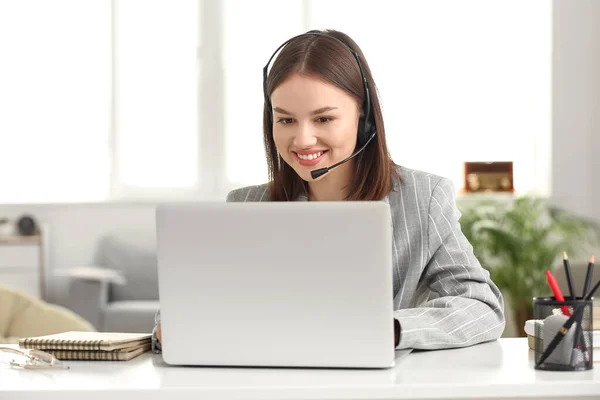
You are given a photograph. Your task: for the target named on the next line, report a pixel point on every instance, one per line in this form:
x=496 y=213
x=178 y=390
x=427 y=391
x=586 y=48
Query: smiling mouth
x=310 y=159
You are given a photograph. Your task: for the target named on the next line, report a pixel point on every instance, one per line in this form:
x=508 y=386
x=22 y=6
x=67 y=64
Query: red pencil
x=557 y=293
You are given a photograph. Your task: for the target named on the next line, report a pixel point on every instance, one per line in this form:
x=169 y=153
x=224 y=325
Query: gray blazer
x=442 y=296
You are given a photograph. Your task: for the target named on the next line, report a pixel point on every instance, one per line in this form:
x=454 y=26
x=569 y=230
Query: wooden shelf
x=15 y=239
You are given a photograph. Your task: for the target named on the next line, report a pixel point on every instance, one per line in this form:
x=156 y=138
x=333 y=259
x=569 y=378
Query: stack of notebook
x=107 y=346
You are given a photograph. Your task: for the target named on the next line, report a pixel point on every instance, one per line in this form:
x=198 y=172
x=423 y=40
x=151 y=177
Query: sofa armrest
x=93 y=273
x=88 y=299
x=89 y=289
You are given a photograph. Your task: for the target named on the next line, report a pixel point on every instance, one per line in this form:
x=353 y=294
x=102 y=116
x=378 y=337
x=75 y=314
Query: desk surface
x=501 y=369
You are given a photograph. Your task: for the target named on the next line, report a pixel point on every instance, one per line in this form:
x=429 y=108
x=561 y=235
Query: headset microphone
x=322 y=171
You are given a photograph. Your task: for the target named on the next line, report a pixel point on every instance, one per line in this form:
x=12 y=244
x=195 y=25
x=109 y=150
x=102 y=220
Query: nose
x=304 y=137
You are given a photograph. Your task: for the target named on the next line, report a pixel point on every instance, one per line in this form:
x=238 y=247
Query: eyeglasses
x=29 y=358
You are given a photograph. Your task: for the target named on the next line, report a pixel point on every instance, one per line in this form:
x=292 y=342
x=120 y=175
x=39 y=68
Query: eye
x=285 y=121
x=324 y=120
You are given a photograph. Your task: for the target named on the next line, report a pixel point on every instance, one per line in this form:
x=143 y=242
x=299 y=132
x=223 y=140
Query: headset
x=366 y=124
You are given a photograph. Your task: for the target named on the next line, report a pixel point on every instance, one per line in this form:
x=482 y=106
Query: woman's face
x=315 y=123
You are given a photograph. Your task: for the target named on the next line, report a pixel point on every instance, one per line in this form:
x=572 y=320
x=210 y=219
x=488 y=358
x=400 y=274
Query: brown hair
x=329 y=60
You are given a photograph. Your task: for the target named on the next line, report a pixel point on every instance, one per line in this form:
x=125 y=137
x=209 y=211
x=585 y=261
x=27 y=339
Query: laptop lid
x=299 y=284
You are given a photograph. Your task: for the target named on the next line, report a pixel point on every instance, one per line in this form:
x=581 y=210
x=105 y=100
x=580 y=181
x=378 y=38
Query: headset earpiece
x=362 y=131
x=366 y=125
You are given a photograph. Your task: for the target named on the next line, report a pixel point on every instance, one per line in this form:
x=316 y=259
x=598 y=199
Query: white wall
x=74 y=231
x=576 y=107
x=595 y=117
x=595 y=148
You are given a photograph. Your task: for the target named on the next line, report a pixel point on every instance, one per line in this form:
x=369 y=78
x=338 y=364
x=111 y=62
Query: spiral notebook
x=83 y=341
x=124 y=354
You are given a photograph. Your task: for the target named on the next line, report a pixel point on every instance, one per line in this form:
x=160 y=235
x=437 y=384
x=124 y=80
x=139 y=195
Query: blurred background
x=108 y=108
x=146 y=99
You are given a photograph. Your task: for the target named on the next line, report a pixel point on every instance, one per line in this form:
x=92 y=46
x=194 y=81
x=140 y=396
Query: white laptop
x=276 y=284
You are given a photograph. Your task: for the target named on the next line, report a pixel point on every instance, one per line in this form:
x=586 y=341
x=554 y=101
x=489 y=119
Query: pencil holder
x=574 y=351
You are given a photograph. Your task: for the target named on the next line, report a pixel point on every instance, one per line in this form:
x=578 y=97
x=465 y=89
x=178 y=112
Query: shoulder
x=417 y=188
x=421 y=181
x=250 y=193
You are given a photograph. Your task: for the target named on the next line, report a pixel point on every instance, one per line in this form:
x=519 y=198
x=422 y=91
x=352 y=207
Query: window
x=156 y=146
x=54 y=101
x=98 y=100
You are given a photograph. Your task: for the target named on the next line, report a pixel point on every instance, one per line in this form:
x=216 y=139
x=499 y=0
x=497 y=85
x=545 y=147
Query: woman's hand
x=158 y=332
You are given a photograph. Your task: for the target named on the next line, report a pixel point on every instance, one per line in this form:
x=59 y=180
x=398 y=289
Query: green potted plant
x=518 y=241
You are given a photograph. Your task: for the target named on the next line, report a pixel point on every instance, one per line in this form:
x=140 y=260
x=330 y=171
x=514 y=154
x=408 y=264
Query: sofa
x=119 y=292
x=22 y=315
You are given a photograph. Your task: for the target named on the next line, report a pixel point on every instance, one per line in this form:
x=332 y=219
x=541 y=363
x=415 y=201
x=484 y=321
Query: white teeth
x=310 y=156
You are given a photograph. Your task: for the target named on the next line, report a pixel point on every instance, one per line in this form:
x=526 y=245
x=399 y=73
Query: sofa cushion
x=138 y=265
x=130 y=316
x=22 y=315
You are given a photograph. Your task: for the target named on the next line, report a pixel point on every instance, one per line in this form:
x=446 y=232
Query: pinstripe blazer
x=443 y=298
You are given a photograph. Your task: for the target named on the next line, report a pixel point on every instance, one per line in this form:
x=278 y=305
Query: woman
x=318 y=95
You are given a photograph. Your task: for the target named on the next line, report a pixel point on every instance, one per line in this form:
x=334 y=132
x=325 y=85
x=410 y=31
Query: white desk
x=498 y=370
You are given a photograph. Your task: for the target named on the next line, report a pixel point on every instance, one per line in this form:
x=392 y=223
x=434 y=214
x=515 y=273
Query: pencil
x=568 y=274
x=588 y=276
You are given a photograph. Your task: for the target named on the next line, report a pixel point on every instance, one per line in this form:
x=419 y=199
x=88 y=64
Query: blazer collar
x=304 y=197
x=395 y=188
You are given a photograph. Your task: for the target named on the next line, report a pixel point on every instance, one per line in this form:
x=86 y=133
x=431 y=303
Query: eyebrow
x=315 y=112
